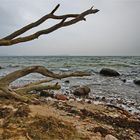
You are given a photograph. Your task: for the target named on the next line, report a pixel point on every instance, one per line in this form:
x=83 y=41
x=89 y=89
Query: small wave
x=63 y=69
x=110 y=65
x=13 y=66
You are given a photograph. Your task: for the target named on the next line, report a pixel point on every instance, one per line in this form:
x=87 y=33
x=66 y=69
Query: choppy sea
x=108 y=87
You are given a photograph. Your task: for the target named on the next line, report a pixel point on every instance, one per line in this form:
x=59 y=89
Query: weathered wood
x=8 y=92
x=65 y=21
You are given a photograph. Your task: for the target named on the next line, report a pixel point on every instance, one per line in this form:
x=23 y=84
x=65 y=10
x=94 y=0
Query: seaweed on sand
x=52 y=128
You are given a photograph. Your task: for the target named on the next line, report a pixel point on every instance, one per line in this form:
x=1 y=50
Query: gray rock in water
x=109 y=72
x=67 y=81
x=137 y=82
x=81 y=91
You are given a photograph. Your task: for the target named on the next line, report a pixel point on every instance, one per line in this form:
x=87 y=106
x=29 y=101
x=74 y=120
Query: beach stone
x=103 y=99
x=110 y=137
x=71 y=100
x=67 y=81
x=81 y=91
x=137 y=82
x=97 y=98
x=124 y=80
x=61 y=97
x=49 y=99
x=109 y=72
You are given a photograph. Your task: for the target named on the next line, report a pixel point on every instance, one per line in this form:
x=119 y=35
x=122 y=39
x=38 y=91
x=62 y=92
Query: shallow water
x=109 y=87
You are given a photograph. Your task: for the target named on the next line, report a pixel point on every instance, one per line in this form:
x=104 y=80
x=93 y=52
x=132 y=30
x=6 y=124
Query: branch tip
x=53 y=11
x=14 y=39
x=92 y=7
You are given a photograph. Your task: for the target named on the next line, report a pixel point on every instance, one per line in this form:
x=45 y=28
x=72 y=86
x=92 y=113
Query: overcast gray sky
x=115 y=30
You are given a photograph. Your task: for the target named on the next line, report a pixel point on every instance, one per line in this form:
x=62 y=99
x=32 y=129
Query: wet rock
x=88 y=101
x=79 y=99
x=71 y=100
x=109 y=72
x=110 y=137
x=61 y=97
x=45 y=93
x=0 y=67
x=119 y=101
x=67 y=81
x=49 y=99
x=124 y=80
x=97 y=98
x=103 y=99
x=137 y=82
x=81 y=91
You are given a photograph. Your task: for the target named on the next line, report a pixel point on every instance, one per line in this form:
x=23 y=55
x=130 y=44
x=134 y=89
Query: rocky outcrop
x=137 y=82
x=81 y=91
x=109 y=72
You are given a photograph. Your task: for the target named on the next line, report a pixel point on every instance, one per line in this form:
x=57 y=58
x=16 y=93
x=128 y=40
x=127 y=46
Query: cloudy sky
x=115 y=30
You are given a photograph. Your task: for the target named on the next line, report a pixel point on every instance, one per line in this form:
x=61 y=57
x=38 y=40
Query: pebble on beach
x=61 y=97
x=137 y=82
x=81 y=91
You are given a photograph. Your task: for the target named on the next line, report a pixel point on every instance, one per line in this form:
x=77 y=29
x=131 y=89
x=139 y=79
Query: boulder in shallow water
x=137 y=82
x=81 y=91
x=109 y=72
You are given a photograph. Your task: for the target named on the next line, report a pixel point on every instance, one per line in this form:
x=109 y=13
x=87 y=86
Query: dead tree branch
x=6 y=91
x=65 y=21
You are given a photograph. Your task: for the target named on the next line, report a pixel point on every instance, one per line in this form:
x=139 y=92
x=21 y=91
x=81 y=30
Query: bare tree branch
x=6 y=91
x=11 y=39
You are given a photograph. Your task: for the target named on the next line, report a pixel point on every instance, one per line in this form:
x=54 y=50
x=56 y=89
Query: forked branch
x=66 y=20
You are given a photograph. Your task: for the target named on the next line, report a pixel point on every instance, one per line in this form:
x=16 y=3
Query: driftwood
x=65 y=20
x=18 y=93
